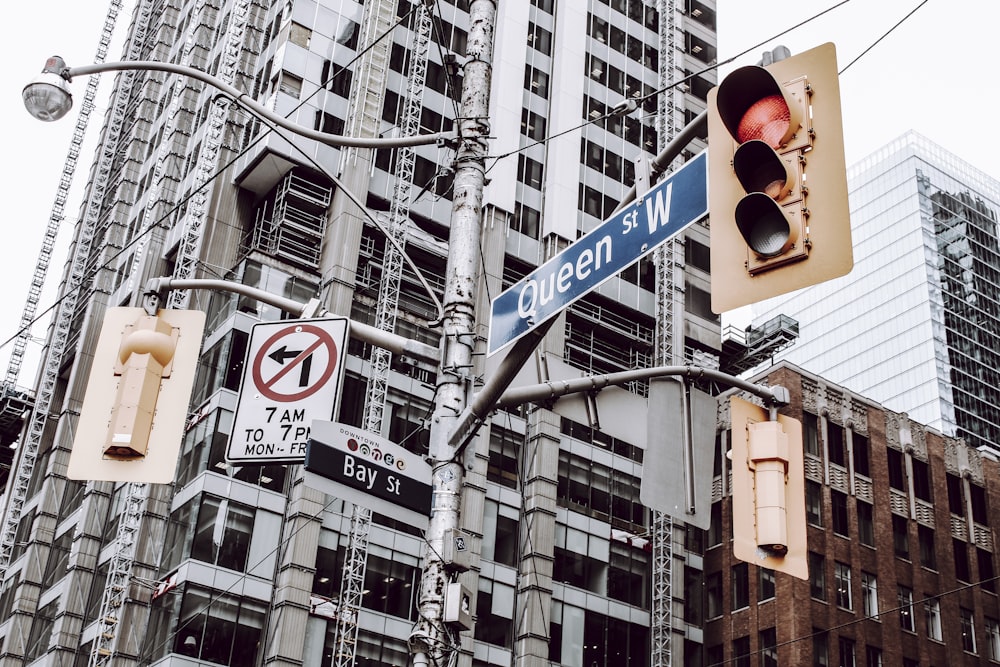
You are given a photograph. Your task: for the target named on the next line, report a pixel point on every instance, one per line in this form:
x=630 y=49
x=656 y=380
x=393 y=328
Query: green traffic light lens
x=763 y=225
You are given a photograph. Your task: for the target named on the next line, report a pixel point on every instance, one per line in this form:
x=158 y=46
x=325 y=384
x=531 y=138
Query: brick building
x=901 y=547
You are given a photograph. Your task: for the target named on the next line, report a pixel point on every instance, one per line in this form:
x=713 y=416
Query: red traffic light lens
x=766 y=120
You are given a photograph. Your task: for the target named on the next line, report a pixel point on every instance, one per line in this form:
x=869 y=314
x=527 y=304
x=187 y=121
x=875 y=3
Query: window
x=900 y=541
x=540 y=39
x=810 y=434
x=869 y=595
x=846 y=646
x=610 y=642
x=814 y=503
x=835 y=444
x=842 y=582
x=905 y=597
x=922 y=480
x=932 y=618
x=961 y=555
x=897 y=476
x=866 y=524
x=985 y=560
x=925 y=535
x=955 y=502
x=838 y=506
x=41 y=631
x=977 y=498
x=290 y=84
x=213 y=627
x=765 y=584
x=533 y=125
x=599 y=491
x=741 y=586
x=873 y=656
x=536 y=81
x=391 y=585
x=741 y=652
x=500 y=535
x=968 y=630
x=713 y=595
x=821 y=651
x=862 y=466
x=992 y=638
x=694 y=596
x=502 y=466
x=526 y=220
x=768 y=648
x=529 y=172
x=578 y=569
x=817 y=576
x=627 y=579
x=494 y=611
x=715 y=526
x=223 y=532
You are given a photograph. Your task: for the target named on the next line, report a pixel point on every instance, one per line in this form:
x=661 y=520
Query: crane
x=385 y=320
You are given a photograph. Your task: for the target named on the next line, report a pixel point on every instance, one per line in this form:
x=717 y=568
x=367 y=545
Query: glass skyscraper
x=916 y=324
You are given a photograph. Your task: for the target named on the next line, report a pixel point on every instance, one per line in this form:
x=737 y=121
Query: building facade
x=240 y=565
x=915 y=324
x=901 y=554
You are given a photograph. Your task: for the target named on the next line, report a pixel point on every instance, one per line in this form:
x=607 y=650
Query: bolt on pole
x=432 y=640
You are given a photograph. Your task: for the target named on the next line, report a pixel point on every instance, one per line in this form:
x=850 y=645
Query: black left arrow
x=283 y=354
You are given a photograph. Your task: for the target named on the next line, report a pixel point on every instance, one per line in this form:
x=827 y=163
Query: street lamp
x=48 y=98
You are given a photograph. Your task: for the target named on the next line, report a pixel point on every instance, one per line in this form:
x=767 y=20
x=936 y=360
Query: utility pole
x=431 y=640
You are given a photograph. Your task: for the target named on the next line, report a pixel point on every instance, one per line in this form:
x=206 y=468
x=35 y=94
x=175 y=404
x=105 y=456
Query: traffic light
x=768 y=501
x=778 y=209
x=136 y=404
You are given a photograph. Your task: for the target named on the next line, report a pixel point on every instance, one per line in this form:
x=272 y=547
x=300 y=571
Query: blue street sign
x=669 y=207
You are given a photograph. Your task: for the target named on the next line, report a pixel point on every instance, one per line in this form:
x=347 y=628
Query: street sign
x=293 y=375
x=365 y=469
x=665 y=210
x=680 y=451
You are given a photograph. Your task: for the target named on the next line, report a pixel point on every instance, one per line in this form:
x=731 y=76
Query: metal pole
x=431 y=640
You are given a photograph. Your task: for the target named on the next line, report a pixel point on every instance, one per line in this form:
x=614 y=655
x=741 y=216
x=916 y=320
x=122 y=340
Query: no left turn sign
x=293 y=376
x=294 y=349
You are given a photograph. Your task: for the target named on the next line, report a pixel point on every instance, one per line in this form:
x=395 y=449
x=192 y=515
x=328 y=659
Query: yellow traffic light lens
x=763 y=224
x=760 y=169
x=767 y=120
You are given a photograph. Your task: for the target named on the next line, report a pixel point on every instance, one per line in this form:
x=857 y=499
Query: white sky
x=935 y=73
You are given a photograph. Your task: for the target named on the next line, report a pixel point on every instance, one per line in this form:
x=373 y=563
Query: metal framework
x=385 y=320
x=59 y=332
x=669 y=347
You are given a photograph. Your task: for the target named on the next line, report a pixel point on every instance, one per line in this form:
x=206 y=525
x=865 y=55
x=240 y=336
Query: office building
x=244 y=565
x=916 y=324
x=901 y=554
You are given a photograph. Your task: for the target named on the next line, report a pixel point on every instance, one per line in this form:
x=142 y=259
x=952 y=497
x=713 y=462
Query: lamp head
x=47 y=97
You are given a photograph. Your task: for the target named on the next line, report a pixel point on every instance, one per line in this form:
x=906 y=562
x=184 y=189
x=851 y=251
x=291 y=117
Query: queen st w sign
x=665 y=210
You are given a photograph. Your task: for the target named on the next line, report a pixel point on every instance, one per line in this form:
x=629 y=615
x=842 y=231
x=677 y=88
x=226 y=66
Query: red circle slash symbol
x=296 y=359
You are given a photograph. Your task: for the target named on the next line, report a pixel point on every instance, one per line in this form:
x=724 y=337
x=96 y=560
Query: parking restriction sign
x=293 y=375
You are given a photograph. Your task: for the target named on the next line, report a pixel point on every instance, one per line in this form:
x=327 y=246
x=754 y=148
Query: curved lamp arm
x=48 y=98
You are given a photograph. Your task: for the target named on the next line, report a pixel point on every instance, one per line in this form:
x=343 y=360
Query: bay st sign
x=665 y=210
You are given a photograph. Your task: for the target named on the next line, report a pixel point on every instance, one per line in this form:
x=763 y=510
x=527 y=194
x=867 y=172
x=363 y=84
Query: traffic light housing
x=778 y=209
x=132 y=421
x=768 y=501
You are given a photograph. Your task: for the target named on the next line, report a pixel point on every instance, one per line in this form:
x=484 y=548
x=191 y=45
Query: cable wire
x=886 y=34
